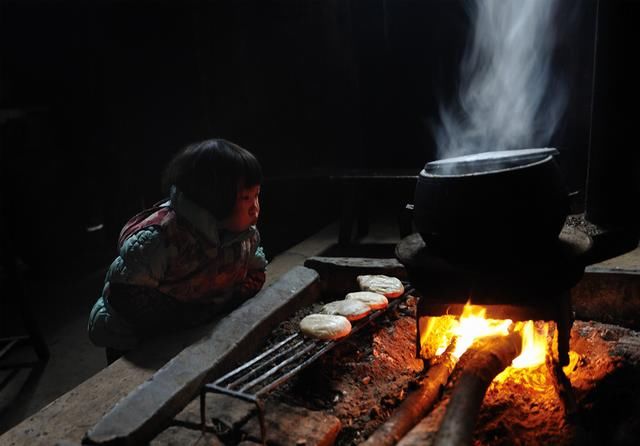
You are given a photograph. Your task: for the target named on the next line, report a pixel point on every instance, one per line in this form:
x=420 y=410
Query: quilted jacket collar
x=202 y=219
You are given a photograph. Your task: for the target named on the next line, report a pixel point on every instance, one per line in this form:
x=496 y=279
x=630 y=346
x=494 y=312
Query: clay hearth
x=351 y=392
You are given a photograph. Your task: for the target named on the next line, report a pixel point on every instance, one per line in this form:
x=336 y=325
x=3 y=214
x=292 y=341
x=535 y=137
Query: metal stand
x=256 y=378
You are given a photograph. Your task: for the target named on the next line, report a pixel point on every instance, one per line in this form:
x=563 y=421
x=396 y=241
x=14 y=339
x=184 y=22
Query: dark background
x=95 y=97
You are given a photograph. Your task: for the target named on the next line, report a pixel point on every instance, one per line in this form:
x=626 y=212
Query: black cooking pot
x=493 y=203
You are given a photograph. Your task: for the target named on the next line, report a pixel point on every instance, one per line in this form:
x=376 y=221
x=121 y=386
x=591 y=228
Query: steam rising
x=507 y=96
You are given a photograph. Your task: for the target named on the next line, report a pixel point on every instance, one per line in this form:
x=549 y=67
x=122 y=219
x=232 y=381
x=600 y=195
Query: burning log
x=418 y=403
x=485 y=359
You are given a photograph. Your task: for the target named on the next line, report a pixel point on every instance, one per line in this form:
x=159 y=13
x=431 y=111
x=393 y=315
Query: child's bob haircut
x=210 y=172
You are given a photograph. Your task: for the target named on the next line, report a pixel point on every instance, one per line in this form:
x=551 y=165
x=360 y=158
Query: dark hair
x=208 y=173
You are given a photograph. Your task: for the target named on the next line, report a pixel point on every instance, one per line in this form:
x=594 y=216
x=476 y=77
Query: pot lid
x=486 y=162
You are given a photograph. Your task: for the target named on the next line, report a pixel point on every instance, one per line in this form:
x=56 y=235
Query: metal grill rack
x=270 y=369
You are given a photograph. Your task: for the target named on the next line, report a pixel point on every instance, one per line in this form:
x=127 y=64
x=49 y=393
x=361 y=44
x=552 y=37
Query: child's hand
x=252 y=283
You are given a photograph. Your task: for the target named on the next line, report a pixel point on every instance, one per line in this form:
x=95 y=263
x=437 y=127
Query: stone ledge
x=609 y=296
x=146 y=411
x=343 y=272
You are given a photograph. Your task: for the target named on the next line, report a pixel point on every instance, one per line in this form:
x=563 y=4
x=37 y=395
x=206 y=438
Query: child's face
x=246 y=210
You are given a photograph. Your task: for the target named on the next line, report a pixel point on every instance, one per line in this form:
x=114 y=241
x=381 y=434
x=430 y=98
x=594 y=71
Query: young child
x=189 y=258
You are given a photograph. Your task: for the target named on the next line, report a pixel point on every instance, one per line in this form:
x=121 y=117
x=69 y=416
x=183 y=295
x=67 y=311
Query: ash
x=364 y=378
x=605 y=382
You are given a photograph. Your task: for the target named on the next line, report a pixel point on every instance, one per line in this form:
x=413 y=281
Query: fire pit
x=352 y=392
x=278 y=364
x=493 y=299
x=537 y=289
x=515 y=276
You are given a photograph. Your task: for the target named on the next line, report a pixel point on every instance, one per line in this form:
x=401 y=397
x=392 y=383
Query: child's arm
x=142 y=260
x=256 y=275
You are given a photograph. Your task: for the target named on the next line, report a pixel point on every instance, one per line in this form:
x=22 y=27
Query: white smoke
x=507 y=97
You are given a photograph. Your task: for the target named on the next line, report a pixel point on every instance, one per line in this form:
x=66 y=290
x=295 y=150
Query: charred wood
x=485 y=359
x=563 y=388
x=418 y=403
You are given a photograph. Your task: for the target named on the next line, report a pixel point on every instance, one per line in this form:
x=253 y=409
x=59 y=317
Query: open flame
x=534 y=345
x=473 y=324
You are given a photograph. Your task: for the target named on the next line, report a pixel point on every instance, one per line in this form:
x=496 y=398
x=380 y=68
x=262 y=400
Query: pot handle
x=405 y=220
x=576 y=202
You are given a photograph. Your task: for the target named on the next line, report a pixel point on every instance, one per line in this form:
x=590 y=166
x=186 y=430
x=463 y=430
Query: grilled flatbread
x=325 y=326
x=375 y=301
x=351 y=309
x=391 y=287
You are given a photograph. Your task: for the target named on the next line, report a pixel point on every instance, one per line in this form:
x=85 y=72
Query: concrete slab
x=625 y=263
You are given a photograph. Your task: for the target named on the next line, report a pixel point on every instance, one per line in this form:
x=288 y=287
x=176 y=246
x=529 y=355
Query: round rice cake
x=390 y=287
x=375 y=301
x=325 y=326
x=351 y=309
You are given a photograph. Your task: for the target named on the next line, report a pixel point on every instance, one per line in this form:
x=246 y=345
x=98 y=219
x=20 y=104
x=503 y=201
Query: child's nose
x=255 y=208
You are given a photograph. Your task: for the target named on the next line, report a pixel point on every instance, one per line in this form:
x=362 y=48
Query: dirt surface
x=364 y=378
x=605 y=381
x=517 y=412
x=526 y=409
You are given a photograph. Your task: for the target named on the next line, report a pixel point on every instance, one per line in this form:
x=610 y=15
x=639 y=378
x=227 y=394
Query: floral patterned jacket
x=174 y=269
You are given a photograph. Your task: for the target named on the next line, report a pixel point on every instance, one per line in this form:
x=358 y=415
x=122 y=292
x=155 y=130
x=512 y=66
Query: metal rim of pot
x=528 y=201
x=487 y=163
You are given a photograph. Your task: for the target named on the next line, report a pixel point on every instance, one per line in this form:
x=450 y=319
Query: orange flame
x=473 y=324
x=534 y=345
